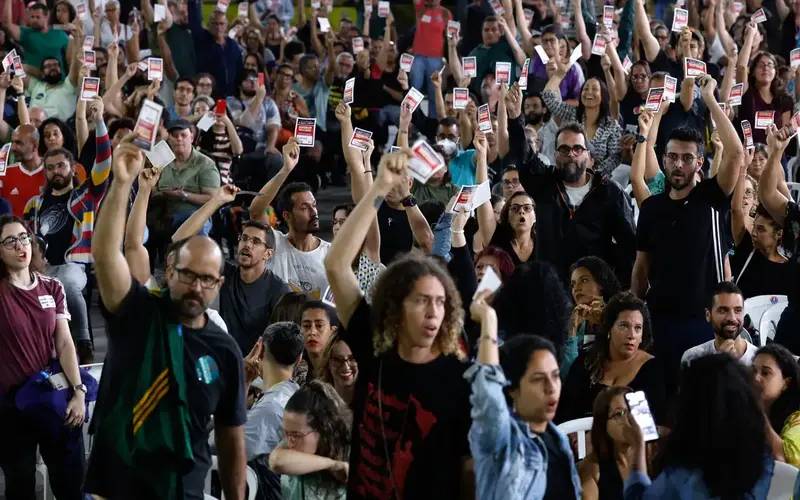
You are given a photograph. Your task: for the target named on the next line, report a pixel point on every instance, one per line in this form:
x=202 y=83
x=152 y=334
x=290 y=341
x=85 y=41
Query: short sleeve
x=231 y=410
x=790 y=434
x=714 y=195
x=60 y=299
x=273 y=116
x=209 y=175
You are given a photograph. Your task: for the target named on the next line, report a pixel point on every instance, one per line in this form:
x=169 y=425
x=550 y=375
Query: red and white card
x=794 y=58
x=680 y=20
x=90 y=88
x=670 y=87
x=412 y=99
x=654 y=98
x=358 y=44
x=470 y=66
x=383 y=9
x=425 y=162
x=406 y=61
x=222 y=5
x=349 y=91
x=88 y=42
x=471 y=197
x=90 y=59
x=484 y=119
x=764 y=119
x=453 y=29
x=523 y=76
x=460 y=98
x=146 y=128
x=155 y=69
x=599 y=45
x=360 y=139
x=735 y=97
x=8 y=60
x=693 y=67
x=81 y=10
x=305 y=131
x=497 y=7
x=627 y=64
x=19 y=71
x=747 y=132
x=502 y=73
x=608 y=15
x=241 y=9
x=759 y=16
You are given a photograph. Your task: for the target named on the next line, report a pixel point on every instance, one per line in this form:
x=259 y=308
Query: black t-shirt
x=425 y=410
x=761 y=276
x=214 y=374
x=396 y=235
x=559 y=470
x=55 y=225
x=629 y=111
x=246 y=308
x=686 y=240
x=791 y=243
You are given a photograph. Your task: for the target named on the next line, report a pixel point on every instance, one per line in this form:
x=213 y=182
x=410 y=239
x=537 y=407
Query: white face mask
x=449 y=147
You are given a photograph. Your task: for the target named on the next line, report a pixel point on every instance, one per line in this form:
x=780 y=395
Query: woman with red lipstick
x=33 y=326
x=318 y=324
x=618 y=357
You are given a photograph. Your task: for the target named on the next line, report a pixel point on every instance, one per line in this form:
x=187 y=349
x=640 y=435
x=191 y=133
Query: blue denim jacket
x=510 y=460
x=682 y=483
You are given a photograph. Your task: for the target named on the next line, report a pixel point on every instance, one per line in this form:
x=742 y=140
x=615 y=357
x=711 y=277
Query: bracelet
x=457 y=231
x=493 y=340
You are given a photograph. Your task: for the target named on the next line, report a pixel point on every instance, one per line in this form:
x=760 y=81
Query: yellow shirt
x=790 y=434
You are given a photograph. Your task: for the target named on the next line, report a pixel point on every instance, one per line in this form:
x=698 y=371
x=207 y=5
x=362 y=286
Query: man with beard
x=168 y=371
x=578 y=212
x=38 y=41
x=681 y=246
x=187 y=182
x=725 y=314
x=24 y=175
x=538 y=116
x=299 y=254
x=64 y=216
x=250 y=291
x=55 y=96
x=253 y=109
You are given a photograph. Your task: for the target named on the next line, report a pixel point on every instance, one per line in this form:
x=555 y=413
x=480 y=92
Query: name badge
x=426 y=18
x=47 y=301
x=207 y=370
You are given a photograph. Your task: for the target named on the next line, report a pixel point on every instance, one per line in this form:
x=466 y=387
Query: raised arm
x=8 y=21
x=487 y=224
x=743 y=62
x=420 y=229
x=649 y=42
x=580 y=30
x=258 y=208
x=22 y=104
x=296 y=463
x=112 y=271
x=454 y=60
x=522 y=27
x=5 y=128
x=502 y=123
x=403 y=126
x=347 y=244
x=638 y=164
x=135 y=252
x=768 y=192
x=605 y=63
x=509 y=33
x=436 y=80
x=738 y=217
x=81 y=124
x=193 y=225
x=733 y=154
x=620 y=87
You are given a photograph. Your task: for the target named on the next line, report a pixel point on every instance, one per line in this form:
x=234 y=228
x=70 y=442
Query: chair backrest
x=755 y=307
x=252 y=481
x=769 y=322
x=579 y=426
x=96 y=371
x=794 y=189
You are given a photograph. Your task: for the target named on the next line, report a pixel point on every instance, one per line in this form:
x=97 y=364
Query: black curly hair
x=602 y=274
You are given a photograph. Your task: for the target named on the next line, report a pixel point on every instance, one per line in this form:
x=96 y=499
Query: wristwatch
x=409 y=201
x=640 y=139
x=80 y=387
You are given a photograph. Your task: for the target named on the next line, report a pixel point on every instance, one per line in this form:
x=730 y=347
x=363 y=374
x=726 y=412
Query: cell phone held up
x=221 y=107
x=640 y=411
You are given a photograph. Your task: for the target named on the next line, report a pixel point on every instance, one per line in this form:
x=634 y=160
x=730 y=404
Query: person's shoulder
x=220 y=340
x=697 y=351
x=323 y=244
x=202 y=160
x=48 y=283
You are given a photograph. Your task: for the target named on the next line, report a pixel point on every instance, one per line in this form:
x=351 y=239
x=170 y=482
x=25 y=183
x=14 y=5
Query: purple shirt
x=570 y=85
x=27 y=328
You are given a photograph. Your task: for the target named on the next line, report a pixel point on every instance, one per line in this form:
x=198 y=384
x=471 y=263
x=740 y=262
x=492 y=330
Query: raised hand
x=707 y=87
x=777 y=139
x=291 y=154
x=402 y=79
x=479 y=310
x=514 y=101
x=252 y=362
x=127 y=161
x=645 y=121
x=148 y=179
x=392 y=171
x=96 y=108
x=226 y=194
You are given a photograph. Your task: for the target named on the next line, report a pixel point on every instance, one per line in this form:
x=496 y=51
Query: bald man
x=169 y=368
x=24 y=175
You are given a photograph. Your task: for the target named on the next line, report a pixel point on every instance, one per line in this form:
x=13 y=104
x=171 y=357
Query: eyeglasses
x=188 y=277
x=640 y=76
x=686 y=159
x=348 y=360
x=766 y=65
x=23 y=239
x=296 y=436
x=511 y=182
x=243 y=238
x=525 y=209
x=566 y=149
x=619 y=414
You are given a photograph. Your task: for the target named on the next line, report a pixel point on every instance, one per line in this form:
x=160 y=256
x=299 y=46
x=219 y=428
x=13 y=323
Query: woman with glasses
x=515 y=231
x=34 y=329
x=312 y=458
x=290 y=104
x=339 y=368
x=618 y=357
x=603 y=470
x=631 y=91
x=761 y=87
x=593 y=112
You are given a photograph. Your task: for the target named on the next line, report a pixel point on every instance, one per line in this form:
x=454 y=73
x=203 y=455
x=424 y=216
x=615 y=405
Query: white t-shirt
x=708 y=348
x=576 y=195
x=304 y=272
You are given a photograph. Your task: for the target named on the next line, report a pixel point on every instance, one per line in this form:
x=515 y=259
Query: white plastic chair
x=755 y=307
x=794 y=190
x=579 y=426
x=252 y=481
x=769 y=322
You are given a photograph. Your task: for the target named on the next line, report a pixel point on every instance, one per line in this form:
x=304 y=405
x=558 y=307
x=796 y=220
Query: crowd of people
x=556 y=211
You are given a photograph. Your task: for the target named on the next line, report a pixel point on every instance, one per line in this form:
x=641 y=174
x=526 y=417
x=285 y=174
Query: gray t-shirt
x=264 y=428
x=708 y=348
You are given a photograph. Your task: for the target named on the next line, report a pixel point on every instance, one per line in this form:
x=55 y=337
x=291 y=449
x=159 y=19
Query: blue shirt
x=223 y=62
x=510 y=460
x=462 y=168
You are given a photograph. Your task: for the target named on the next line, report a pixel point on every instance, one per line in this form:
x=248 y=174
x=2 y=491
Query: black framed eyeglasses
x=243 y=238
x=188 y=277
x=686 y=158
x=23 y=239
x=566 y=149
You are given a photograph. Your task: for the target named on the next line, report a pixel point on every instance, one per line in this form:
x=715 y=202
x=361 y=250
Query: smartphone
x=640 y=410
x=220 y=108
x=261 y=79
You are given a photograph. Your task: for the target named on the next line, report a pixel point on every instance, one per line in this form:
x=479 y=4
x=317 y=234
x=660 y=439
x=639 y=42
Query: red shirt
x=27 y=328
x=431 y=29
x=18 y=186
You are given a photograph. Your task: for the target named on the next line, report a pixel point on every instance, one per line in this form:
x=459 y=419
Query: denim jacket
x=510 y=460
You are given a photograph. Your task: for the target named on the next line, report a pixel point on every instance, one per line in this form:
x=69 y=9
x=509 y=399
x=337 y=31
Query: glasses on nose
x=618 y=415
x=511 y=182
x=640 y=76
x=566 y=150
x=349 y=360
x=24 y=239
x=296 y=436
x=243 y=238
x=686 y=159
x=188 y=277
x=767 y=65
x=517 y=209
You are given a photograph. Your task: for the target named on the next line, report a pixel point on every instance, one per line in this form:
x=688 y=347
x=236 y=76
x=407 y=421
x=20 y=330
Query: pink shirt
x=27 y=328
